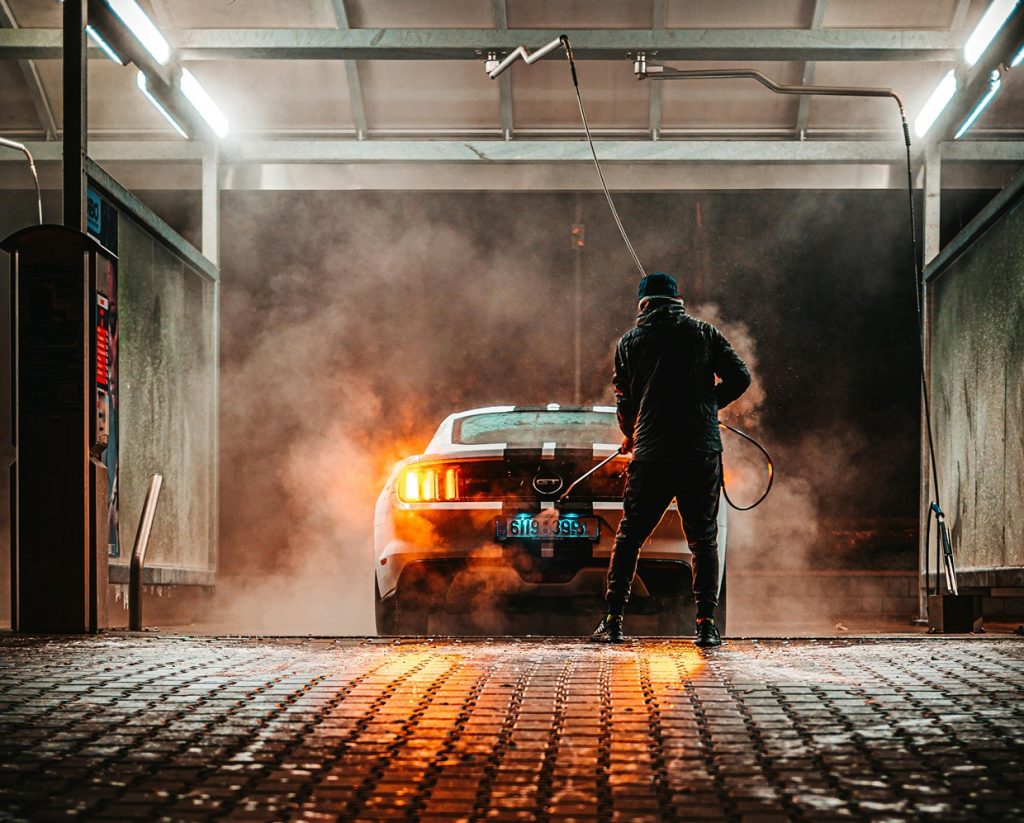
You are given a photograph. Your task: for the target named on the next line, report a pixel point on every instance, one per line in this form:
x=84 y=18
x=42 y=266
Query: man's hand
x=627 y=445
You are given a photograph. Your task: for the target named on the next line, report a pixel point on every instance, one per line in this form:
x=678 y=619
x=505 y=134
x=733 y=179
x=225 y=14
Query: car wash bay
x=360 y=233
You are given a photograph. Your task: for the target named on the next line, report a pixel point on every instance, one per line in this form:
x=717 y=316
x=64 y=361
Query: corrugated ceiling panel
x=300 y=95
x=543 y=96
x=404 y=94
x=913 y=81
x=16 y=110
x=730 y=103
x=580 y=14
x=450 y=14
x=739 y=14
x=245 y=14
x=36 y=14
x=886 y=14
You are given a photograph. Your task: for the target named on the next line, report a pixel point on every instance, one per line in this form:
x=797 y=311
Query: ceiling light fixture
x=143 y=28
x=203 y=103
x=105 y=47
x=144 y=88
x=994 y=85
x=936 y=103
x=986 y=30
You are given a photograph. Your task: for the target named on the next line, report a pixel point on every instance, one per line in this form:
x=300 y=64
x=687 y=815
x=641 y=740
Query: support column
x=75 y=78
x=932 y=194
x=931 y=245
x=211 y=203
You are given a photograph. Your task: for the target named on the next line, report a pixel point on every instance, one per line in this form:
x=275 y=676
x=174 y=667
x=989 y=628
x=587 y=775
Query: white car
x=456 y=539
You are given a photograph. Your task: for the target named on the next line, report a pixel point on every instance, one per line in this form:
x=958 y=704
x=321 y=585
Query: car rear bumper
x=470 y=584
x=445 y=532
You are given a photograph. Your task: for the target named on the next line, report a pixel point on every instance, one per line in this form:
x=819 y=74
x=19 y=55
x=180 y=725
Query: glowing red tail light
x=429 y=484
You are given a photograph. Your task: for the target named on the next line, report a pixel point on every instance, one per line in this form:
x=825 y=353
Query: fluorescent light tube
x=1017 y=58
x=105 y=47
x=143 y=29
x=988 y=27
x=144 y=88
x=936 y=103
x=197 y=96
x=993 y=90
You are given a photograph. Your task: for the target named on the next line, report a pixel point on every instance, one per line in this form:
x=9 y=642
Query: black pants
x=650 y=488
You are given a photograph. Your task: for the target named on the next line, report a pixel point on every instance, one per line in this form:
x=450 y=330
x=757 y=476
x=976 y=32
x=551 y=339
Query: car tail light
x=427 y=484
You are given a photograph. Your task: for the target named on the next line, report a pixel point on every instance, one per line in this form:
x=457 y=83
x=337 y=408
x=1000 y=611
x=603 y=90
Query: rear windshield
x=534 y=428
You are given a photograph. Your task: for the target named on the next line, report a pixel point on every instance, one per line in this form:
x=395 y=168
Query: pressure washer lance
x=548 y=517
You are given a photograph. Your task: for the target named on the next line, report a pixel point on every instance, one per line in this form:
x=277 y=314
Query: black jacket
x=664 y=382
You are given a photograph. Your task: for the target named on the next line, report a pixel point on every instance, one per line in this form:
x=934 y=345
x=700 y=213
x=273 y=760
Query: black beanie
x=658 y=284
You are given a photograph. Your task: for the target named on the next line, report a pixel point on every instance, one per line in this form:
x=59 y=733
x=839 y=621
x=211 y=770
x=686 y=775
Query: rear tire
x=384 y=612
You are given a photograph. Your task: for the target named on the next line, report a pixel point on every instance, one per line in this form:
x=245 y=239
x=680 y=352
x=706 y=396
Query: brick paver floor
x=165 y=727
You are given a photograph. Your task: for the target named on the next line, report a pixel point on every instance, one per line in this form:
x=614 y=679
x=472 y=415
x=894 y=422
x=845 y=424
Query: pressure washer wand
x=583 y=477
x=551 y=515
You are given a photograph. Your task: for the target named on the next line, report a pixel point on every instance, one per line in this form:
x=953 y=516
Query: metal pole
x=11 y=144
x=578 y=242
x=139 y=553
x=75 y=77
x=211 y=203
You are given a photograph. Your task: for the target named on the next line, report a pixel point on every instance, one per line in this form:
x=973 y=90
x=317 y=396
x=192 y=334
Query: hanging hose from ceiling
x=494 y=69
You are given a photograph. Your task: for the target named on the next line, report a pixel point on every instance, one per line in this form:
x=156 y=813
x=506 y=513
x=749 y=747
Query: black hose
x=771 y=472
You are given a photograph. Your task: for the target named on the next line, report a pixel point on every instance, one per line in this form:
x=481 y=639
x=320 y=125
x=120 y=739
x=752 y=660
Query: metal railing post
x=139 y=553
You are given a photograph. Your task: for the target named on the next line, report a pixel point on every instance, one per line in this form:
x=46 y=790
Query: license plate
x=525 y=527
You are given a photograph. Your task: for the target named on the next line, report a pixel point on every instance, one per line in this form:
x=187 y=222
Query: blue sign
x=94 y=213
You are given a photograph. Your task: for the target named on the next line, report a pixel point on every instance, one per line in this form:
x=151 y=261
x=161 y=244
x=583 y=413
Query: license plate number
x=525 y=527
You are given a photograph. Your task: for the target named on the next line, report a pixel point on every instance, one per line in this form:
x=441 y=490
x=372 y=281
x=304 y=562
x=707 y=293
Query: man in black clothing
x=668 y=402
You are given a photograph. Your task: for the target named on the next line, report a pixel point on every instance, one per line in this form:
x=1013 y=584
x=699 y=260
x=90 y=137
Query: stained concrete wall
x=167 y=405
x=977 y=382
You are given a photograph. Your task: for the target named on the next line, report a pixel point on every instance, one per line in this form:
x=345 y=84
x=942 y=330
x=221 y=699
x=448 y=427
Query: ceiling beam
x=528 y=151
x=960 y=15
x=492 y=151
x=355 y=86
x=803 y=112
x=473 y=44
x=33 y=83
x=979 y=151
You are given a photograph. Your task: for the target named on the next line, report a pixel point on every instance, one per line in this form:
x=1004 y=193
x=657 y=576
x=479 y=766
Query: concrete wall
x=977 y=373
x=168 y=405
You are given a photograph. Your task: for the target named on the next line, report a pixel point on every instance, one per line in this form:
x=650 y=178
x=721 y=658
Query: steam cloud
x=355 y=322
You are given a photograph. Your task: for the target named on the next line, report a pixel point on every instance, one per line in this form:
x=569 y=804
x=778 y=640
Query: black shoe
x=707 y=633
x=609 y=630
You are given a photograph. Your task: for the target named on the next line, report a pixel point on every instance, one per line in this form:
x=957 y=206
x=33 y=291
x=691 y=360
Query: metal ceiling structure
x=393 y=94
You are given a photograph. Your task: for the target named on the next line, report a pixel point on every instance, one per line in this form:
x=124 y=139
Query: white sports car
x=456 y=539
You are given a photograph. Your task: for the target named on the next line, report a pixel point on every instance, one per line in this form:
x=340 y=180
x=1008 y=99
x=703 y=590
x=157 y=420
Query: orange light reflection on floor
x=684 y=662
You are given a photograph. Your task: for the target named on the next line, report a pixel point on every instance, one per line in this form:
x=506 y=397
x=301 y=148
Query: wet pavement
x=184 y=728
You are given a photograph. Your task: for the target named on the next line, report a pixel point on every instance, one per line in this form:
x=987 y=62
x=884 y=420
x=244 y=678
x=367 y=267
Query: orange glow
x=422 y=484
x=411 y=486
x=675 y=663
